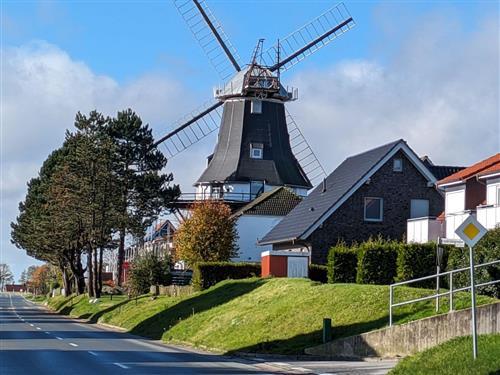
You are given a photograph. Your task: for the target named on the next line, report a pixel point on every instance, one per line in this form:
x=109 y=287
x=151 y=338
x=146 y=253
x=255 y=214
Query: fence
x=437 y=295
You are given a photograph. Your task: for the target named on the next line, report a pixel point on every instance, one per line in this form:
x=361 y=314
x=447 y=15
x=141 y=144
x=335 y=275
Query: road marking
x=57 y=337
x=73 y=344
x=32 y=325
x=120 y=365
x=48 y=333
x=38 y=328
x=93 y=353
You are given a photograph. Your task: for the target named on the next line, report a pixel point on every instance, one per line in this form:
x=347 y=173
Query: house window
x=256 y=150
x=419 y=208
x=397 y=165
x=374 y=209
x=256 y=106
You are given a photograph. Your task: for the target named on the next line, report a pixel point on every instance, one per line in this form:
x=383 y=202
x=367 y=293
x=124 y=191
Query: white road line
x=32 y=325
x=48 y=333
x=73 y=344
x=120 y=365
x=57 y=337
x=38 y=328
x=93 y=353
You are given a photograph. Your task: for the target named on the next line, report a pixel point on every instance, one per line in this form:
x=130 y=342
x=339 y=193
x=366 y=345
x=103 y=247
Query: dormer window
x=397 y=165
x=256 y=150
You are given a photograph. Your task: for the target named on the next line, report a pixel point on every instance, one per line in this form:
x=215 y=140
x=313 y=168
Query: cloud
x=43 y=89
x=439 y=91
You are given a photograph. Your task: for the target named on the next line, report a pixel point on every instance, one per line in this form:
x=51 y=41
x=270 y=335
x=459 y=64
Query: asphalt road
x=35 y=341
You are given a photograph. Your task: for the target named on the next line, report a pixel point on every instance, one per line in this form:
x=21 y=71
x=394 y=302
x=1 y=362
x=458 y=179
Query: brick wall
x=397 y=189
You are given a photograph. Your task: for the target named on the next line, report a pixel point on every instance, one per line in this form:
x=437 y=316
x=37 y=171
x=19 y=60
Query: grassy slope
x=274 y=315
x=454 y=357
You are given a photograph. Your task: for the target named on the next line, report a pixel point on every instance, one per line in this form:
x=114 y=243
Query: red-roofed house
x=474 y=190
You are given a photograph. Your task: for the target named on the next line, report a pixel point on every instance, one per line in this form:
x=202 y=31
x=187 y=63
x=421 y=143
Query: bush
x=377 y=262
x=318 y=273
x=148 y=270
x=417 y=260
x=486 y=250
x=342 y=264
x=206 y=274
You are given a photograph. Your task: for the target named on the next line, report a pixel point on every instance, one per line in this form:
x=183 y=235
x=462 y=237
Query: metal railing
x=437 y=295
x=218 y=195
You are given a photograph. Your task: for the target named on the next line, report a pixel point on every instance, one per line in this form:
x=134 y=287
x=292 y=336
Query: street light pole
x=473 y=299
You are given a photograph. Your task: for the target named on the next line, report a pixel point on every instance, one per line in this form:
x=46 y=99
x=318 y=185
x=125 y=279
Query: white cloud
x=439 y=91
x=43 y=89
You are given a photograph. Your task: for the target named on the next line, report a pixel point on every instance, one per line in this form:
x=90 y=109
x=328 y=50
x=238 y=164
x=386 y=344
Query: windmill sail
x=303 y=152
x=211 y=36
x=310 y=38
x=192 y=128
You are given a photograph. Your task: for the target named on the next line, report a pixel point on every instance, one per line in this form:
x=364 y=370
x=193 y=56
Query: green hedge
x=377 y=262
x=342 y=264
x=318 y=273
x=486 y=250
x=206 y=274
x=417 y=260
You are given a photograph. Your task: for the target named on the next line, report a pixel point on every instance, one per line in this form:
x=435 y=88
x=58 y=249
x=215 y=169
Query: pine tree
x=145 y=190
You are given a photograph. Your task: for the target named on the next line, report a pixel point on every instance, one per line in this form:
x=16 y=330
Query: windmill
x=259 y=145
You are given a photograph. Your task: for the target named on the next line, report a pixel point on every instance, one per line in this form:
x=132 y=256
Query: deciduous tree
x=208 y=235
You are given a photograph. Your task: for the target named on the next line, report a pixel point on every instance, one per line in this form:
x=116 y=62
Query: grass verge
x=454 y=357
x=259 y=315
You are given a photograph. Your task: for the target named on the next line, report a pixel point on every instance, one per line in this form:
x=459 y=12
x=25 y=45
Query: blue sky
x=426 y=71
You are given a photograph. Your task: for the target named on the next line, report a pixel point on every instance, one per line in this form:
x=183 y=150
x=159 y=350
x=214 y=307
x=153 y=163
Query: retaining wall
x=405 y=339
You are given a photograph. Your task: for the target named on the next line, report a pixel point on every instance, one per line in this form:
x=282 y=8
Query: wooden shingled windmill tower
x=259 y=145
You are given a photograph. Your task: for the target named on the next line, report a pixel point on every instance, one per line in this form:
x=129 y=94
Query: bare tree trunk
x=100 y=270
x=97 y=291
x=121 y=257
x=90 y=282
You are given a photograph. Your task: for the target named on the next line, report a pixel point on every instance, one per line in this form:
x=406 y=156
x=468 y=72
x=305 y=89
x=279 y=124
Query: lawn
x=258 y=315
x=454 y=357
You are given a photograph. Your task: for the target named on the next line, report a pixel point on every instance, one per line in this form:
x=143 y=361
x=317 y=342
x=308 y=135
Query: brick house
x=372 y=193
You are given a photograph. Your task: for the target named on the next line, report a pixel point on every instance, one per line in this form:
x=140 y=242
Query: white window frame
x=260 y=154
x=498 y=196
x=381 y=213
x=395 y=166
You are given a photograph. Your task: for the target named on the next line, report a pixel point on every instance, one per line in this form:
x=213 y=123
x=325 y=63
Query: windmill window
x=397 y=165
x=374 y=209
x=256 y=106
x=256 y=150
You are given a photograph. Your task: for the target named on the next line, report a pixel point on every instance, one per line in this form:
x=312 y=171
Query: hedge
x=486 y=250
x=377 y=262
x=206 y=274
x=417 y=260
x=342 y=264
x=318 y=273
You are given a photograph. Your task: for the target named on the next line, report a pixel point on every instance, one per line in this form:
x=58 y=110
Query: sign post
x=471 y=231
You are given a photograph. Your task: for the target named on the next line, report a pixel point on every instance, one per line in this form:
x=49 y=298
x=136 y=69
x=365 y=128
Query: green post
x=327 y=330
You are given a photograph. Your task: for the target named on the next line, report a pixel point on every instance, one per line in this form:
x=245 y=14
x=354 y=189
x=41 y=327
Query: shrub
x=206 y=274
x=148 y=270
x=318 y=273
x=417 y=260
x=486 y=250
x=342 y=264
x=111 y=290
x=377 y=262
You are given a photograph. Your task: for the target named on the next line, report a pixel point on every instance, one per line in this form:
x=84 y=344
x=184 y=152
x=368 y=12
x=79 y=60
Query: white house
x=474 y=190
x=258 y=217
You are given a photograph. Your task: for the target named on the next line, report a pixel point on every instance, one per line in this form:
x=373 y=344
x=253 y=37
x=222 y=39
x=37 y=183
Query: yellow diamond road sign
x=471 y=231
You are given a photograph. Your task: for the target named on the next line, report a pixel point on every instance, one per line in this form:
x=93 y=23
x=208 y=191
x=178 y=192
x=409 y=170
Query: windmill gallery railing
x=437 y=295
